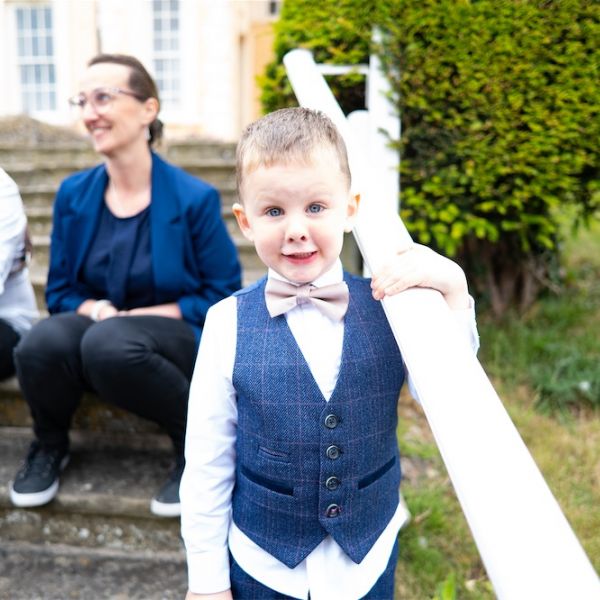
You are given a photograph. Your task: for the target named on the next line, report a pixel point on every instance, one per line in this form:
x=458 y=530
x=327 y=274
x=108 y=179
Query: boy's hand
x=226 y=595
x=420 y=266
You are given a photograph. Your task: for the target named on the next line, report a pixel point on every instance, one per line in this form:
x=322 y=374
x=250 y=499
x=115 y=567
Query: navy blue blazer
x=194 y=261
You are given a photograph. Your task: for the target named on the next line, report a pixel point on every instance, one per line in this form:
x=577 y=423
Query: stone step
x=248 y=256
x=104 y=495
x=91 y=415
x=59 y=572
x=38 y=279
x=218 y=172
x=97 y=538
x=176 y=151
x=39 y=217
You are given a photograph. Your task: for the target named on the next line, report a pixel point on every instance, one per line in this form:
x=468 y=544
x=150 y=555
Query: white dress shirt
x=207 y=528
x=17 y=299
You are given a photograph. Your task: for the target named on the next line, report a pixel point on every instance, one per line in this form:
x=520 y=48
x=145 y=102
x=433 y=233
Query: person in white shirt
x=290 y=488
x=18 y=310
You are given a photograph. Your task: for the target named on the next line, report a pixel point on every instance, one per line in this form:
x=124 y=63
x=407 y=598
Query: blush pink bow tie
x=331 y=300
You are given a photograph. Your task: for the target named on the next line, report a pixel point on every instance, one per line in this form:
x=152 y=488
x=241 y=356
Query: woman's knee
x=111 y=344
x=52 y=339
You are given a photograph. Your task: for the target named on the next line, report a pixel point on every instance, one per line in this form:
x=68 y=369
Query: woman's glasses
x=100 y=99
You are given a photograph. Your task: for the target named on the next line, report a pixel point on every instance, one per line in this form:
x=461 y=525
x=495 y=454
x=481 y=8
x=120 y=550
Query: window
x=35 y=52
x=274 y=7
x=166 y=62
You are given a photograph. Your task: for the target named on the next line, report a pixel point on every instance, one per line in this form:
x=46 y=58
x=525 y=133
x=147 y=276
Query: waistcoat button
x=333 y=452
x=332 y=483
x=331 y=421
x=333 y=510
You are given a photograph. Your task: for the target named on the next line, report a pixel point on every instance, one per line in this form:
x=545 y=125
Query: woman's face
x=116 y=120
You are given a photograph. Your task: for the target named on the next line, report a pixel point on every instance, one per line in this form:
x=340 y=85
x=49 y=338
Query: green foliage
x=438 y=558
x=500 y=109
x=501 y=117
x=335 y=31
x=447 y=589
x=554 y=349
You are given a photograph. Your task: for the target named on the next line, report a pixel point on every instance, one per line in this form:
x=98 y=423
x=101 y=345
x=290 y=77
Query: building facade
x=204 y=54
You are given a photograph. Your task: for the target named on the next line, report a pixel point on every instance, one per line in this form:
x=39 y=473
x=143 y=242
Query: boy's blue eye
x=274 y=212
x=315 y=208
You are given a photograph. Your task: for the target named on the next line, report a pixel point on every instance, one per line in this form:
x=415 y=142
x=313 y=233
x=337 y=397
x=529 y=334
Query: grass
x=546 y=367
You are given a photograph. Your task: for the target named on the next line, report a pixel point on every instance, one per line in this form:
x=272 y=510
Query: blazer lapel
x=79 y=234
x=166 y=232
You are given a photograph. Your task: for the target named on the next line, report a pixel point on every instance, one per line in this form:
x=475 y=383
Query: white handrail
x=529 y=549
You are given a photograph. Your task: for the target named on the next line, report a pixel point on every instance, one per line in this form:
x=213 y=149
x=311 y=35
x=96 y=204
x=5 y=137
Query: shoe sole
x=161 y=509
x=37 y=498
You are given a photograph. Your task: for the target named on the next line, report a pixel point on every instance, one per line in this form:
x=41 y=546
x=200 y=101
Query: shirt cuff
x=208 y=572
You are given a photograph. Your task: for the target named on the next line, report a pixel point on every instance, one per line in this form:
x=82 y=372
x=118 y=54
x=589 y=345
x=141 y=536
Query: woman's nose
x=88 y=112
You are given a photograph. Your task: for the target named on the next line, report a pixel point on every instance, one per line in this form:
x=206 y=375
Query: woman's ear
x=150 y=110
x=242 y=221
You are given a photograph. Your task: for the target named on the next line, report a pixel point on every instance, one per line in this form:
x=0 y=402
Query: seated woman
x=18 y=310
x=139 y=252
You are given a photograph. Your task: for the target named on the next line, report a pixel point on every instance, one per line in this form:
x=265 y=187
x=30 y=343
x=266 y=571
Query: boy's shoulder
x=251 y=287
x=356 y=283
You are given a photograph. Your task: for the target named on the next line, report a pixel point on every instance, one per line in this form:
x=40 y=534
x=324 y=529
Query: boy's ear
x=352 y=209
x=242 y=221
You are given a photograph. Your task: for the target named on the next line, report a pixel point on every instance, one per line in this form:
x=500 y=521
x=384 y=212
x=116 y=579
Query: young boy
x=292 y=466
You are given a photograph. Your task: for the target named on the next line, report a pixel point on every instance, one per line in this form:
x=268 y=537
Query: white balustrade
x=527 y=546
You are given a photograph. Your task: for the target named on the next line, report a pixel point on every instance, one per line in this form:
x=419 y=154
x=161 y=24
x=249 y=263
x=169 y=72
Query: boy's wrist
x=457 y=297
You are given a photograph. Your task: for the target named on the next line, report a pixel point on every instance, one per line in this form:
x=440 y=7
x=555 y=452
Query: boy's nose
x=296 y=229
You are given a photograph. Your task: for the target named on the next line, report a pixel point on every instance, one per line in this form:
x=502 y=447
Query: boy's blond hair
x=289 y=135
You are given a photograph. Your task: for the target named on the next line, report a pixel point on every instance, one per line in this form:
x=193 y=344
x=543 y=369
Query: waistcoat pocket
x=275 y=486
x=375 y=475
x=270 y=454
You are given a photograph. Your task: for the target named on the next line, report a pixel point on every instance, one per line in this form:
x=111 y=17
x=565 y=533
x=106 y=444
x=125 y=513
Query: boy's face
x=296 y=215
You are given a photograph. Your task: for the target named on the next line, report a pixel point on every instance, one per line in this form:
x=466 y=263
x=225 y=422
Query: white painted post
x=527 y=545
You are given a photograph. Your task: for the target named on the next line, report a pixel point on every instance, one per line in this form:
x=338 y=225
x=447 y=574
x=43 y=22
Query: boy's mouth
x=300 y=255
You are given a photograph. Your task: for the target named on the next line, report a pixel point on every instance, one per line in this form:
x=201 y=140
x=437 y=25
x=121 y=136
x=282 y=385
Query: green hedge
x=500 y=107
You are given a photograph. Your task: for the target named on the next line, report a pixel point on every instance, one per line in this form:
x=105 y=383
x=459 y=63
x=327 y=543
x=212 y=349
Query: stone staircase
x=97 y=539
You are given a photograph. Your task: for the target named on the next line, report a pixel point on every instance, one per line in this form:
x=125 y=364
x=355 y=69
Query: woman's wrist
x=97 y=308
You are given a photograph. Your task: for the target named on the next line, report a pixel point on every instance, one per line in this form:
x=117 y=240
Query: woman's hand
x=97 y=310
x=170 y=310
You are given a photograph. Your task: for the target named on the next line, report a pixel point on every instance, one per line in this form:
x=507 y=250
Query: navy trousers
x=244 y=587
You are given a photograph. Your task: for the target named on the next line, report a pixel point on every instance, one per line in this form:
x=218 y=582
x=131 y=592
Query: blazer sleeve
x=213 y=256
x=61 y=293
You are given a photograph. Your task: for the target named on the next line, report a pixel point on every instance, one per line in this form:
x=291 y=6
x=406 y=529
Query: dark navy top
x=119 y=262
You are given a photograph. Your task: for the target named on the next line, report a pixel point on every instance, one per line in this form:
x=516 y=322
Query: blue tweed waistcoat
x=306 y=467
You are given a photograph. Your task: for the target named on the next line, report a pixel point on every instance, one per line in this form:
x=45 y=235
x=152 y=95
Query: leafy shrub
x=500 y=109
x=337 y=32
x=501 y=120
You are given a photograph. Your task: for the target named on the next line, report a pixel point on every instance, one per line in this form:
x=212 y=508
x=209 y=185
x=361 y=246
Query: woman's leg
x=8 y=340
x=49 y=369
x=143 y=364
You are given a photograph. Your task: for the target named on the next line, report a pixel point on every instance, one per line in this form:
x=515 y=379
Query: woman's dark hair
x=140 y=82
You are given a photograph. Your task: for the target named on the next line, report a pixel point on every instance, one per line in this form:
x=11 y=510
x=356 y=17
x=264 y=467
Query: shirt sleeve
x=467 y=324
x=12 y=225
x=209 y=474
